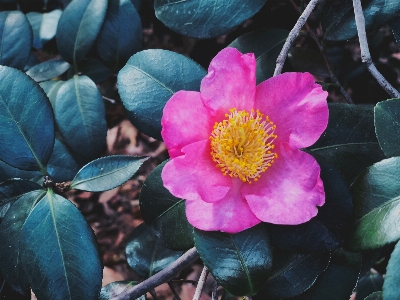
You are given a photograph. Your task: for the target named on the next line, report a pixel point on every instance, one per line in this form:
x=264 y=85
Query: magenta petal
x=289 y=191
x=194 y=175
x=185 y=120
x=296 y=105
x=232 y=214
x=230 y=82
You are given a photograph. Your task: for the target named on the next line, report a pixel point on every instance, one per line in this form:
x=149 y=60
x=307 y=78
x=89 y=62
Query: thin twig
x=214 y=295
x=171 y=286
x=200 y=284
x=153 y=294
x=163 y=276
x=365 y=55
x=109 y=99
x=292 y=36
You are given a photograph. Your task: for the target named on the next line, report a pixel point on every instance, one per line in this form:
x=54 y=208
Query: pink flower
x=234 y=146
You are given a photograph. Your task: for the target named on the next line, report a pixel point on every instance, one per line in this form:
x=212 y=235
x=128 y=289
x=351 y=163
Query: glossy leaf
x=62 y=166
x=10 y=236
x=293 y=273
x=147 y=82
x=48 y=70
x=375 y=296
x=387 y=126
x=326 y=231
x=368 y=284
x=391 y=284
x=93 y=68
x=51 y=88
x=15 y=39
x=338 y=17
x=146 y=254
x=240 y=262
x=78 y=28
x=266 y=45
x=121 y=34
x=308 y=60
x=69 y=266
x=106 y=173
x=7 y=172
x=165 y=213
x=80 y=115
x=116 y=288
x=44 y=26
x=376 y=198
x=32 y=137
x=205 y=19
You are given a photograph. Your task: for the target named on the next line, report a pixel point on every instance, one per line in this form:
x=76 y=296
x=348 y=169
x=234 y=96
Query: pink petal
x=185 y=120
x=296 y=105
x=231 y=214
x=195 y=176
x=230 y=82
x=289 y=191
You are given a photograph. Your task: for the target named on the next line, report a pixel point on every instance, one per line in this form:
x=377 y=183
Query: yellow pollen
x=242 y=145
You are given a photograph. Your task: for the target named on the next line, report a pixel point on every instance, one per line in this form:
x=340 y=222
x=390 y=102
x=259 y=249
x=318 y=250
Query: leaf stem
x=292 y=36
x=171 y=286
x=365 y=54
x=165 y=275
x=200 y=284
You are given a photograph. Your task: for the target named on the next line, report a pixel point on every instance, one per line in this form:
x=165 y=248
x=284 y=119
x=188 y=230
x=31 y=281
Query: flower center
x=242 y=144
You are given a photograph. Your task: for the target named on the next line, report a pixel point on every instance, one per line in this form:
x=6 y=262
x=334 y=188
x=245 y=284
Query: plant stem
x=214 y=295
x=163 y=276
x=153 y=294
x=171 y=286
x=200 y=284
x=293 y=35
x=365 y=55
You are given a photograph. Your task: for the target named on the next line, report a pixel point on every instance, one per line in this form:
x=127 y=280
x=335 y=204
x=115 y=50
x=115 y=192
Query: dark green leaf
x=48 y=70
x=387 y=126
x=116 y=288
x=147 y=82
x=51 y=88
x=93 y=68
x=146 y=254
x=375 y=296
x=338 y=17
x=165 y=213
x=32 y=61
x=58 y=251
x=293 y=273
x=7 y=292
x=376 y=198
x=205 y=19
x=15 y=39
x=368 y=284
x=240 y=262
x=7 y=172
x=78 y=28
x=308 y=60
x=329 y=229
x=339 y=279
x=106 y=173
x=80 y=114
x=121 y=34
x=266 y=45
x=44 y=26
x=26 y=119
x=10 y=236
x=391 y=284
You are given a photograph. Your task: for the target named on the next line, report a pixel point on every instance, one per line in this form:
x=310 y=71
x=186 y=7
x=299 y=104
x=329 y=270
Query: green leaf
x=121 y=34
x=266 y=45
x=308 y=60
x=15 y=39
x=368 y=284
x=7 y=172
x=205 y=19
x=26 y=119
x=51 y=88
x=147 y=82
x=106 y=173
x=10 y=236
x=387 y=126
x=375 y=296
x=93 y=68
x=44 y=26
x=48 y=70
x=59 y=253
x=7 y=292
x=339 y=23
x=165 y=213
x=240 y=262
x=116 y=288
x=293 y=273
x=146 y=254
x=329 y=229
x=391 y=284
x=78 y=28
x=376 y=198
x=80 y=115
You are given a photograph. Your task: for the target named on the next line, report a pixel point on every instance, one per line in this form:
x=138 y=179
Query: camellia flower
x=235 y=147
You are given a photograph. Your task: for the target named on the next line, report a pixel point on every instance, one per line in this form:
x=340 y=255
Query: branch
x=292 y=36
x=171 y=286
x=200 y=284
x=365 y=55
x=163 y=276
